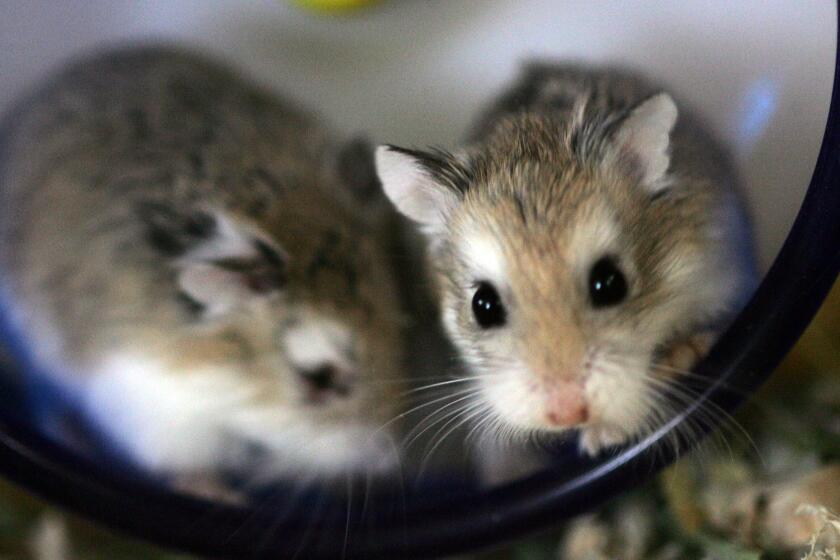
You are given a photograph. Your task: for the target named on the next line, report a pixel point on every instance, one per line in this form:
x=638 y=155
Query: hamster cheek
x=509 y=396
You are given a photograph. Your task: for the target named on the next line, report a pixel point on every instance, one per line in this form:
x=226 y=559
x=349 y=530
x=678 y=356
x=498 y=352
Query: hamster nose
x=567 y=406
x=568 y=417
x=325 y=380
x=321 y=378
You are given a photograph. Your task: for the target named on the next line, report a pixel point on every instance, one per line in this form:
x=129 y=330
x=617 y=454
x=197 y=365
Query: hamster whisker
x=401 y=472
x=500 y=432
x=477 y=426
x=649 y=423
x=313 y=521
x=707 y=413
x=514 y=434
x=689 y=395
x=453 y=398
x=698 y=382
x=693 y=429
x=402 y=415
x=292 y=500
x=369 y=482
x=702 y=379
x=468 y=415
x=436 y=394
x=662 y=409
x=386 y=381
x=448 y=382
x=428 y=423
x=349 y=478
x=420 y=378
x=441 y=415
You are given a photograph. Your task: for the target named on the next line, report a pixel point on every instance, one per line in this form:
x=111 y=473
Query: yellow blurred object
x=332 y=6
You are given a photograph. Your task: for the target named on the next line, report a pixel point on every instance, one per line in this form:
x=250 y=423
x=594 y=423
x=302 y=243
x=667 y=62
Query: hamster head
x=565 y=259
x=342 y=334
x=299 y=314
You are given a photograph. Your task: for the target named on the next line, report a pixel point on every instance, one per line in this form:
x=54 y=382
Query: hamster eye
x=487 y=306
x=607 y=284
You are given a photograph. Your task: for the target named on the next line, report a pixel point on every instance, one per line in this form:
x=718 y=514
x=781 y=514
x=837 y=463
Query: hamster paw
x=684 y=353
x=593 y=440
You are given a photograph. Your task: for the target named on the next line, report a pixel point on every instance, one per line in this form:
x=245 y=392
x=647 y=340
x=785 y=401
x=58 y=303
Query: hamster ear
x=412 y=181
x=234 y=264
x=645 y=136
x=357 y=171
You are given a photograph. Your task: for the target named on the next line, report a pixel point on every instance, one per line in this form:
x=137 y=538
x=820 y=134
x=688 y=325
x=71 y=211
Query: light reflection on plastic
x=758 y=105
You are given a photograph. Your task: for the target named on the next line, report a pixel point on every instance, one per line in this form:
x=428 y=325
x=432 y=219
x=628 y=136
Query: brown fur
x=118 y=168
x=545 y=178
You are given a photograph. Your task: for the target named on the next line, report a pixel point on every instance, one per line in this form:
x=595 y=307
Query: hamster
x=201 y=268
x=586 y=244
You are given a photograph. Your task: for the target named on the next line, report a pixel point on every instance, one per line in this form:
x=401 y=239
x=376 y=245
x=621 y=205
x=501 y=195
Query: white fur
x=315 y=342
x=184 y=421
x=230 y=240
x=646 y=135
x=450 y=317
x=412 y=191
x=164 y=420
x=595 y=235
x=218 y=289
x=485 y=258
x=507 y=391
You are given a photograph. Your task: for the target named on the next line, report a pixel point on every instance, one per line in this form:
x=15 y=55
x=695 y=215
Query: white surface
x=414 y=72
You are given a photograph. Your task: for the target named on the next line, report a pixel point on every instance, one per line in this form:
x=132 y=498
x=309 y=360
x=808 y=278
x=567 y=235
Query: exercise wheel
x=719 y=60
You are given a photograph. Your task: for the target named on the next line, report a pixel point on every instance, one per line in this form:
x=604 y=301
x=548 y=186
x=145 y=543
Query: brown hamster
x=200 y=267
x=585 y=244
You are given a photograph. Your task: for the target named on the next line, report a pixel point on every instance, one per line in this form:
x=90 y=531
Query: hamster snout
x=566 y=404
x=322 y=353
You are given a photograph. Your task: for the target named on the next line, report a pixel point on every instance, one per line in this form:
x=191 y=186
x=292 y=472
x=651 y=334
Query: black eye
x=487 y=306
x=607 y=285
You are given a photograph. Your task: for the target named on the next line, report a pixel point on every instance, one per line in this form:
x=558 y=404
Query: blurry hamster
x=201 y=268
x=586 y=244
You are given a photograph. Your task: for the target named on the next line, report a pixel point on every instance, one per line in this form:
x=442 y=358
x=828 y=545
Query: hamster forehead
x=343 y=297
x=528 y=230
x=535 y=228
x=337 y=261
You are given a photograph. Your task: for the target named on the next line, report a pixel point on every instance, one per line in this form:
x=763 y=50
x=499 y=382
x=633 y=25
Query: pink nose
x=566 y=406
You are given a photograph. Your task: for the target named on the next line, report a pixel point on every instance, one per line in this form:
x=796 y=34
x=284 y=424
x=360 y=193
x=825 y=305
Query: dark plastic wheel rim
x=746 y=355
